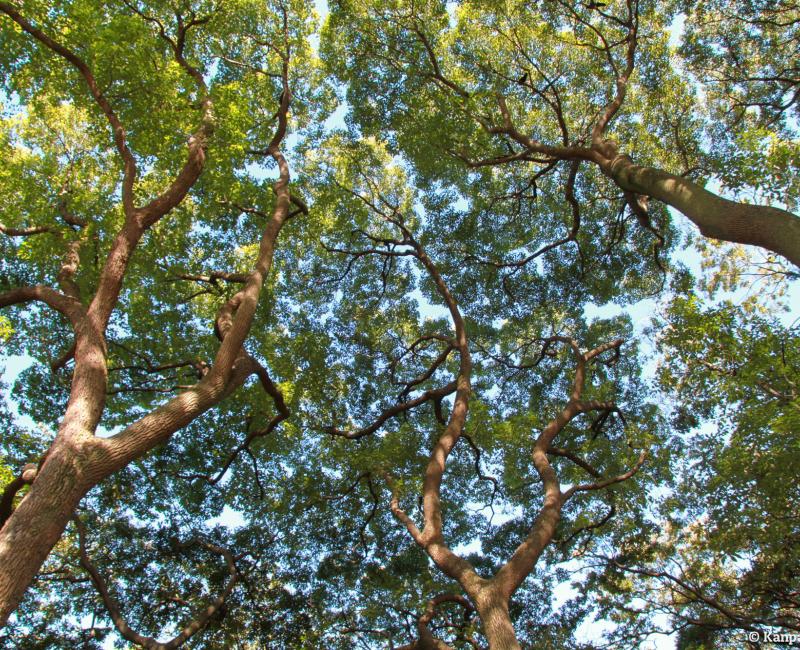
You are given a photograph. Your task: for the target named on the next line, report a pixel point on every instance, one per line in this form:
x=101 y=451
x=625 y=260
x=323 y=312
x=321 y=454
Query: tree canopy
x=399 y=324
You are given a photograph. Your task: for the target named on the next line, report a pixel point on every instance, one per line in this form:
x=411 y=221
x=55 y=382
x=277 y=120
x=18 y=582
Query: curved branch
x=201 y=619
x=437 y=72
x=565 y=453
x=431 y=538
x=66 y=305
x=511 y=575
x=283 y=413
x=612 y=510
x=10 y=491
x=621 y=81
x=174 y=194
x=426 y=640
x=481 y=476
x=433 y=394
x=425 y=374
x=116 y=126
x=599 y=485
x=139 y=219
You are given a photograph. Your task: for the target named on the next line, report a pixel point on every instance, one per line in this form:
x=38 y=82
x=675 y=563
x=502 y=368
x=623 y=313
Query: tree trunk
x=37 y=524
x=771 y=228
x=497 y=627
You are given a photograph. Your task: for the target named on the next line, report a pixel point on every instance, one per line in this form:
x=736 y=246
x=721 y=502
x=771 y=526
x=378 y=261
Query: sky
x=640 y=313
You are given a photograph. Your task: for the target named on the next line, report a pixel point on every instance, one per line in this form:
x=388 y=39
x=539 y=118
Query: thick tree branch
x=524 y=558
x=24 y=232
x=231 y=366
x=771 y=228
x=282 y=413
x=431 y=538
x=622 y=77
x=425 y=639
x=66 y=305
x=10 y=491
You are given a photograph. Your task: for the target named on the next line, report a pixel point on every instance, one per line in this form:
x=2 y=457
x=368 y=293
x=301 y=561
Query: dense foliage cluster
x=378 y=324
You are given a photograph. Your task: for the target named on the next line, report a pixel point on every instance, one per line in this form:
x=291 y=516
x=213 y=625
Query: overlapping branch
x=282 y=413
x=616 y=39
x=516 y=266
x=10 y=491
x=425 y=638
x=202 y=617
x=231 y=365
x=604 y=483
x=392 y=411
x=66 y=305
x=689 y=591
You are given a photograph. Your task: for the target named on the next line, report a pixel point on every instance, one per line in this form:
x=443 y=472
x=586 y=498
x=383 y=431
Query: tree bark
x=497 y=628
x=741 y=223
x=77 y=460
x=771 y=228
x=37 y=524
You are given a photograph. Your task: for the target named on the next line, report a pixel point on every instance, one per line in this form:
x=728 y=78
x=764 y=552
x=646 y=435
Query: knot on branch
x=29 y=472
x=618 y=161
x=610 y=149
x=26 y=477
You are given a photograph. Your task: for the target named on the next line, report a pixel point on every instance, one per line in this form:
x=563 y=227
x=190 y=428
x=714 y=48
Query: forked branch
x=111 y=604
x=425 y=638
x=117 y=129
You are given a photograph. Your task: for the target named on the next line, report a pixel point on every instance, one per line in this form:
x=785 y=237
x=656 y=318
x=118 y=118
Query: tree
x=727 y=561
x=412 y=305
x=501 y=79
x=78 y=459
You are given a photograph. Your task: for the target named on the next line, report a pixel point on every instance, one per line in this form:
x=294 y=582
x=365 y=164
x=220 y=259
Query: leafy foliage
x=429 y=262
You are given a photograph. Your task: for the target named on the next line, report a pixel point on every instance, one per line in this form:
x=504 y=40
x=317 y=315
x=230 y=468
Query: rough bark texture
x=491 y=597
x=497 y=628
x=741 y=223
x=37 y=524
x=78 y=460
